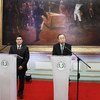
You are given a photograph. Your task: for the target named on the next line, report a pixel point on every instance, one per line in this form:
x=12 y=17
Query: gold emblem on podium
x=61 y=65
x=4 y=63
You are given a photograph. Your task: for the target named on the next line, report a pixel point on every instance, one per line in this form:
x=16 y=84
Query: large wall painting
x=40 y=21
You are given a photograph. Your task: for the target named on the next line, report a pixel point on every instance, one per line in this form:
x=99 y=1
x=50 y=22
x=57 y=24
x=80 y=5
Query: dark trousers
x=21 y=77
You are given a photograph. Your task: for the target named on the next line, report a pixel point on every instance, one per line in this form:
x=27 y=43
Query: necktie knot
x=19 y=47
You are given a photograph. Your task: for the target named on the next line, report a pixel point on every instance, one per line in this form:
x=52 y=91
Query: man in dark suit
x=61 y=48
x=22 y=58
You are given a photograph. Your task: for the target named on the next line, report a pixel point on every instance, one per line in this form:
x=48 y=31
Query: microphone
x=67 y=48
x=4 y=47
x=19 y=56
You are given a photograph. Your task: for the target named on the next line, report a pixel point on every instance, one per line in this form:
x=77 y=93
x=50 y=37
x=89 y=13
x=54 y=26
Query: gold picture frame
x=48 y=48
x=1 y=3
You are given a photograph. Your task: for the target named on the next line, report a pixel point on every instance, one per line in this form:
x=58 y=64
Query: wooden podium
x=61 y=70
x=8 y=77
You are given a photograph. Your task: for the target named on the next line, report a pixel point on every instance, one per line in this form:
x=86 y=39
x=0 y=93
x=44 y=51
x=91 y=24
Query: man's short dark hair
x=59 y=35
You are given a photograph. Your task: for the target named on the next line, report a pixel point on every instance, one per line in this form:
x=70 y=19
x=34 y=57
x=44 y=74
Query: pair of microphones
x=4 y=47
x=8 y=44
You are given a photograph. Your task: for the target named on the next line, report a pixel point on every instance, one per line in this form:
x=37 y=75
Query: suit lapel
x=59 y=48
x=16 y=47
x=64 y=47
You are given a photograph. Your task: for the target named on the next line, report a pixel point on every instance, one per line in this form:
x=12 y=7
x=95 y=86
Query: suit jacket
x=23 y=52
x=57 y=50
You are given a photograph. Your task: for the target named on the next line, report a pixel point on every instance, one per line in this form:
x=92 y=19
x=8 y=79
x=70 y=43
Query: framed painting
x=40 y=21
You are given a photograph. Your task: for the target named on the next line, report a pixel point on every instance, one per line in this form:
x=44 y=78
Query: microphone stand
x=4 y=48
x=78 y=74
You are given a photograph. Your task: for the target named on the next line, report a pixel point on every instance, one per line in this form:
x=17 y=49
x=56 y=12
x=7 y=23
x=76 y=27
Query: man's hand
x=20 y=67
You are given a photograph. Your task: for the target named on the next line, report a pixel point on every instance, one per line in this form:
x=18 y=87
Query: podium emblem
x=4 y=63
x=61 y=65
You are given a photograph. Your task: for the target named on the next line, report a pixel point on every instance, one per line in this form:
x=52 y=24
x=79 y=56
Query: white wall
x=42 y=61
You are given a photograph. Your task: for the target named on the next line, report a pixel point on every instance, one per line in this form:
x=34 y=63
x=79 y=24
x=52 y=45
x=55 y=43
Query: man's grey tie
x=19 y=47
x=62 y=48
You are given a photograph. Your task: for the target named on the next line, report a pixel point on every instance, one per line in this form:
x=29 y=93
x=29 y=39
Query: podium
x=61 y=70
x=8 y=77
